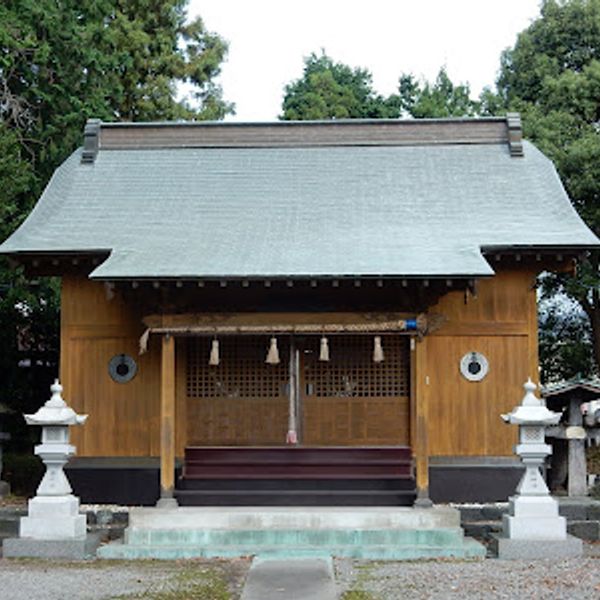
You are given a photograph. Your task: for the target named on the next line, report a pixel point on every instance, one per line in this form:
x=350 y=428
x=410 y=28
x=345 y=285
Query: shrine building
x=299 y=313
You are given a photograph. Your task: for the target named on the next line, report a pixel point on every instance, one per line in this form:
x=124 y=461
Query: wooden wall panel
x=500 y=300
x=464 y=416
x=237 y=421
x=123 y=418
x=501 y=323
x=358 y=421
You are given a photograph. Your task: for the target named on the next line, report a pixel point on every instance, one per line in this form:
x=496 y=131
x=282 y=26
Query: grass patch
x=357 y=591
x=13 y=501
x=357 y=595
x=198 y=583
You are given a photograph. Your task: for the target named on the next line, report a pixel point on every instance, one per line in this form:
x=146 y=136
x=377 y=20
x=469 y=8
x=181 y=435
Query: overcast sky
x=268 y=40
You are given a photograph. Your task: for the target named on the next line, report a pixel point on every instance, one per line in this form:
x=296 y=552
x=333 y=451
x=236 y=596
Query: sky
x=268 y=40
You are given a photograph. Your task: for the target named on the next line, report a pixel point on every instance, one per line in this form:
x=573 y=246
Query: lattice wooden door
x=352 y=401
x=242 y=401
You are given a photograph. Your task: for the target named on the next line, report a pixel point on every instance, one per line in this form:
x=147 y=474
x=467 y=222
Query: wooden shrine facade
x=416 y=397
x=181 y=237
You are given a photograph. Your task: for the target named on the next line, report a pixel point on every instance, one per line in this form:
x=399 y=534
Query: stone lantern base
x=534 y=518
x=533 y=529
x=53 y=528
x=506 y=548
x=74 y=549
x=52 y=518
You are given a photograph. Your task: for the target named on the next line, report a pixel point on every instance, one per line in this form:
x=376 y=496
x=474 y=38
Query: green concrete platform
x=383 y=533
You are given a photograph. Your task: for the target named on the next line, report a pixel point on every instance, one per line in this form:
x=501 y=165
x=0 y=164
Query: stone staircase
x=368 y=532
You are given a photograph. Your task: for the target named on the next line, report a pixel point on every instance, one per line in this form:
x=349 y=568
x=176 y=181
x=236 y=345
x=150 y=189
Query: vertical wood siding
x=501 y=323
x=124 y=419
x=463 y=417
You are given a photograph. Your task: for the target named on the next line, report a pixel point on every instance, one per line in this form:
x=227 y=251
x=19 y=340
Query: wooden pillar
x=167 y=422
x=421 y=442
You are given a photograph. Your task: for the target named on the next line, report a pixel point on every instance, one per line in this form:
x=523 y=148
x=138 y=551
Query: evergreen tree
x=62 y=62
x=552 y=77
x=333 y=90
x=439 y=99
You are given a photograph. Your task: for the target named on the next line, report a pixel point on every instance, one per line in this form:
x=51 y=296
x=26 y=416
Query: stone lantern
x=53 y=526
x=533 y=527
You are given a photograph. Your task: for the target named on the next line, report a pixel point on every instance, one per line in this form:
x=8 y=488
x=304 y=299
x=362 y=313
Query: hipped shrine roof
x=412 y=198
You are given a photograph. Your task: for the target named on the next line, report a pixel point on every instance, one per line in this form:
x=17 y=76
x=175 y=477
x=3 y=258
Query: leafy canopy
x=552 y=76
x=62 y=62
x=439 y=99
x=333 y=90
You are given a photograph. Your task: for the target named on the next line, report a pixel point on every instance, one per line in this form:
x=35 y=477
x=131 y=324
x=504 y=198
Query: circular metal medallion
x=474 y=366
x=122 y=368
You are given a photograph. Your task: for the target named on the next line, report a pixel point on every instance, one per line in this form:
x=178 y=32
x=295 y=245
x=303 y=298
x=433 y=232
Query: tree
x=435 y=100
x=552 y=76
x=330 y=90
x=565 y=340
x=61 y=62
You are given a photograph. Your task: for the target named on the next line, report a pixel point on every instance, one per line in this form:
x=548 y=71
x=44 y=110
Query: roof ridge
x=301 y=134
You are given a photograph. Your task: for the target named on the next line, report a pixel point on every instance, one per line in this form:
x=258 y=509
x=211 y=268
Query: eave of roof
x=214 y=203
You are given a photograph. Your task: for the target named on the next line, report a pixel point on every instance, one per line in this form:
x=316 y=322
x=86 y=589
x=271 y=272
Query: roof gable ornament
x=91 y=135
x=515 y=134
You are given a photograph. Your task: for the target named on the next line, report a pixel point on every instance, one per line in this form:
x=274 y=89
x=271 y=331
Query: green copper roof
x=351 y=210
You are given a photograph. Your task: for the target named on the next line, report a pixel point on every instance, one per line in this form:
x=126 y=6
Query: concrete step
x=317 y=518
x=468 y=549
x=393 y=533
x=299 y=537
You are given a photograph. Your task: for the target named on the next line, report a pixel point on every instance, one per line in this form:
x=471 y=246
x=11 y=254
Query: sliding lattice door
x=351 y=400
x=348 y=401
x=242 y=401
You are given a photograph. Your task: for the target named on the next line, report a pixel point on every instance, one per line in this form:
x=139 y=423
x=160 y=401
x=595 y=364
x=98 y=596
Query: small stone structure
x=573 y=398
x=533 y=527
x=53 y=527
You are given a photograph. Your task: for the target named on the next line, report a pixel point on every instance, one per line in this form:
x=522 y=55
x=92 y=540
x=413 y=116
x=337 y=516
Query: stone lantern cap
x=532 y=410
x=55 y=411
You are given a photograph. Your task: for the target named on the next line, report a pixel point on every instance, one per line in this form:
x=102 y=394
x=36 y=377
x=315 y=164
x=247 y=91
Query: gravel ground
x=32 y=579
x=490 y=578
x=356 y=580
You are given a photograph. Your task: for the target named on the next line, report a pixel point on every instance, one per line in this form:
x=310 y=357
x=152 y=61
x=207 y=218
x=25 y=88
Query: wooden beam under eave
x=421 y=434
x=167 y=422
